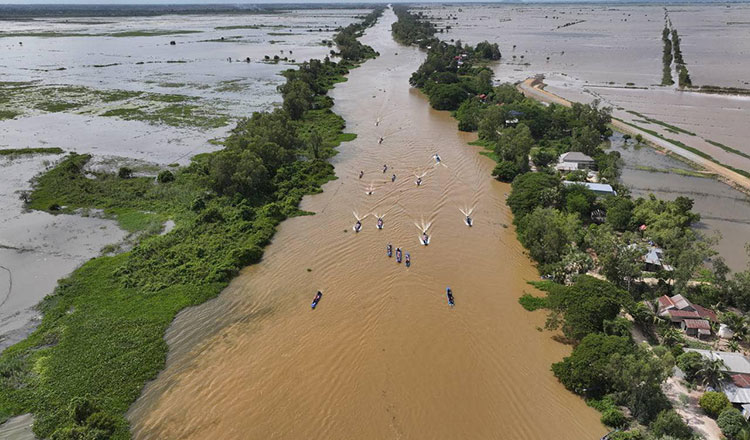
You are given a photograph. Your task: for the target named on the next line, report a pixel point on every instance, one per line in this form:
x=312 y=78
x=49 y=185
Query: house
x=734 y=363
x=677 y=308
x=573 y=160
x=698 y=328
x=654 y=260
x=600 y=189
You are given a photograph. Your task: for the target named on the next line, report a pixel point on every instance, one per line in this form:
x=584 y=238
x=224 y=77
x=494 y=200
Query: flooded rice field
x=614 y=53
x=117 y=88
x=382 y=355
x=723 y=209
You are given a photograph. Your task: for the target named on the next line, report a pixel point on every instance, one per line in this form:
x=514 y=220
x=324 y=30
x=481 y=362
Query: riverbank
x=101 y=335
x=382 y=355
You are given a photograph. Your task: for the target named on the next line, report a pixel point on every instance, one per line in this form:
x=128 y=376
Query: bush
x=714 y=403
x=690 y=363
x=505 y=171
x=447 y=96
x=125 y=173
x=669 y=422
x=165 y=176
x=614 y=418
x=731 y=422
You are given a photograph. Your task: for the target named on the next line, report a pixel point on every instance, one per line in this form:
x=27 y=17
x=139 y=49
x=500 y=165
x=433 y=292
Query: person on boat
x=318 y=295
x=393 y=178
x=468 y=220
x=358 y=226
x=449 y=292
x=398 y=255
x=407 y=259
x=389 y=249
x=361 y=173
x=419 y=181
x=425 y=238
x=380 y=223
x=437 y=158
x=369 y=192
x=385 y=168
x=381 y=140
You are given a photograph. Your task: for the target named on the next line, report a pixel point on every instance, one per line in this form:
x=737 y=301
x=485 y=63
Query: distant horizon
x=303 y=2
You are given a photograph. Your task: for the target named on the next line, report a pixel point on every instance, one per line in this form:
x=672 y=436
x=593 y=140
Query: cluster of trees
x=607 y=366
x=683 y=77
x=666 y=77
x=412 y=28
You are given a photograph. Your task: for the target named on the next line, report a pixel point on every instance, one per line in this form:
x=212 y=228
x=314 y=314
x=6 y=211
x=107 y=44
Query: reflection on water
x=382 y=356
x=723 y=209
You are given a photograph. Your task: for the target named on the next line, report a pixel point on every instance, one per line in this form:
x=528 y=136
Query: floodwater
x=613 y=53
x=36 y=248
x=723 y=209
x=382 y=356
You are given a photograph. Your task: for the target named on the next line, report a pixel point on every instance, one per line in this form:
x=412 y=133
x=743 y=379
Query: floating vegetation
x=30 y=151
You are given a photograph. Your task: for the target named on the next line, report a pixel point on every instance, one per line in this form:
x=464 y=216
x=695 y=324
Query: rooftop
x=575 y=156
x=733 y=362
x=700 y=324
x=601 y=188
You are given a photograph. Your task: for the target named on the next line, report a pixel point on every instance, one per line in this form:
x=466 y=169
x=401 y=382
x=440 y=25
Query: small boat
x=389 y=250
x=419 y=182
x=423 y=241
x=449 y=294
x=398 y=255
x=407 y=260
x=357 y=227
x=317 y=298
x=380 y=223
x=469 y=222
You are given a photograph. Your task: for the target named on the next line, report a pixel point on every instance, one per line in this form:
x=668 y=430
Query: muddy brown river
x=382 y=356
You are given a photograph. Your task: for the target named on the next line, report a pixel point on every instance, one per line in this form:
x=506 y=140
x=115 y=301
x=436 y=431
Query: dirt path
x=690 y=412
x=534 y=88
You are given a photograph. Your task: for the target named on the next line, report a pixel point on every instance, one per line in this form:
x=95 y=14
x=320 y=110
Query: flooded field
x=117 y=88
x=382 y=356
x=723 y=209
x=614 y=53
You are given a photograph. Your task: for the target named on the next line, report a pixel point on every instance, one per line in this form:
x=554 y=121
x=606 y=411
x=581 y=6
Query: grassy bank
x=101 y=337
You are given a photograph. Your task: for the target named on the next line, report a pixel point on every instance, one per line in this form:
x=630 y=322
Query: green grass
x=57 y=106
x=532 y=303
x=679 y=171
x=728 y=149
x=30 y=151
x=8 y=114
x=183 y=115
x=669 y=127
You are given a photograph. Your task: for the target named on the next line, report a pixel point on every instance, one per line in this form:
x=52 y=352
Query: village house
x=737 y=367
x=573 y=161
x=693 y=319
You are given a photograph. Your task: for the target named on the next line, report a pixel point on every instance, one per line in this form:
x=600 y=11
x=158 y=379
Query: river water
x=382 y=356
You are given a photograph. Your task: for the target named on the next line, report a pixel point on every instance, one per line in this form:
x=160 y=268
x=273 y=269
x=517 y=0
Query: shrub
x=714 y=403
x=125 y=173
x=505 y=171
x=165 y=176
x=690 y=363
x=614 y=418
x=731 y=422
x=669 y=422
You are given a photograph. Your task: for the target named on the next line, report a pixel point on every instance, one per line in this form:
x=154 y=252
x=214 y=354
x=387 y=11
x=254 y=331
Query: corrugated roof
x=736 y=394
x=733 y=362
x=741 y=380
x=705 y=313
x=683 y=314
x=680 y=302
x=697 y=323
x=575 y=156
x=596 y=187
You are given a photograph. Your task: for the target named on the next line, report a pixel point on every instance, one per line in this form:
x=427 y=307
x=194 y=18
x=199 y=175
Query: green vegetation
x=728 y=149
x=713 y=403
x=54 y=34
x=101 y=337
x=8 y=114
x=152 y=33
x=732 y=423
x=29 y=151
x=679 y=171
x=532 y=303
x=663 y=124
x=179 y=115
x=666 y=78
x=683 y=77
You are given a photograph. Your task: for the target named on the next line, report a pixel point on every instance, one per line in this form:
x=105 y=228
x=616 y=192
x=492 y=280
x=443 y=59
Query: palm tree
x=734 y=346
x=712 y=373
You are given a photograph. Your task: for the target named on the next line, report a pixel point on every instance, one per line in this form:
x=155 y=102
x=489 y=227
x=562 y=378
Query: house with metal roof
x=574 y=160
x=734 y=363
x=600 y=189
